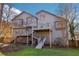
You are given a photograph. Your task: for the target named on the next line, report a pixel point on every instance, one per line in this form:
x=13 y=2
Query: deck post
x=27 y=37
x=32 y=36
x=50 y=38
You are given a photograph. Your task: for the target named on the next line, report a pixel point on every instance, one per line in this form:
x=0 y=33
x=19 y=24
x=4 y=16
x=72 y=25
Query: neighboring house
x=46 y=28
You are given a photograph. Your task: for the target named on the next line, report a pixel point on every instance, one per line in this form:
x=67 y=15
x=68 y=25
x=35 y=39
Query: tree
x=7 y=15
x=7 y=12
x=70 y=14
x=1 y=9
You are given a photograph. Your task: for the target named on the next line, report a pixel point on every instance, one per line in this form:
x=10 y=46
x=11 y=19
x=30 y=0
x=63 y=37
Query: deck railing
x=43 y=26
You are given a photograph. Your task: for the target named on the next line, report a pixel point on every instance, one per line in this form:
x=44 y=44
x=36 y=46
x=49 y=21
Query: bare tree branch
x=69 y=12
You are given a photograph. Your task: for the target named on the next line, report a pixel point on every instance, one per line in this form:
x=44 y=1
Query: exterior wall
x=19 y=32
x=22 y=24
x=24 y=20
x=47 y=18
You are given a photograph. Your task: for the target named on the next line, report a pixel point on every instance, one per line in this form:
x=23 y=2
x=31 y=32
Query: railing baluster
x=43 y=26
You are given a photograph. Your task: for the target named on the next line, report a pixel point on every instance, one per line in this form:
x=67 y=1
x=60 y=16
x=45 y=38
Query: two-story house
x=22 y=27
x=52 y=27
x=46 y=28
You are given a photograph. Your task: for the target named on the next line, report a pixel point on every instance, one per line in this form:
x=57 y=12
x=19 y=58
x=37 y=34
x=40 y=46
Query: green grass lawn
x=1 y=54
x=43 y=52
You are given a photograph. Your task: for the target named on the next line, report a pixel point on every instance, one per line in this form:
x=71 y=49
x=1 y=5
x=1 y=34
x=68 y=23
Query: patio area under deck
x=42 y=31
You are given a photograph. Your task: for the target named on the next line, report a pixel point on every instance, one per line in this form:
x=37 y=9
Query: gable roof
x=22 y=13
x=49 y=13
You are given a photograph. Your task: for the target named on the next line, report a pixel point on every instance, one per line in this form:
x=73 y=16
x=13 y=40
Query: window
x=77 y=35
x=20 y=21
x=28 y=20
x=59 y=25
x=42 y=17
